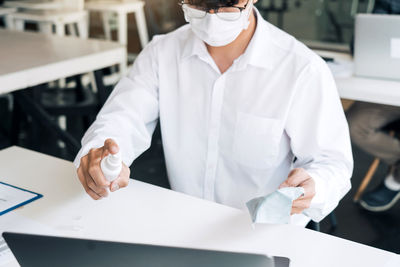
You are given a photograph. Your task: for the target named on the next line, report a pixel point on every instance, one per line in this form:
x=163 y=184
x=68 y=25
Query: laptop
x=377 y=46
x=46 y=251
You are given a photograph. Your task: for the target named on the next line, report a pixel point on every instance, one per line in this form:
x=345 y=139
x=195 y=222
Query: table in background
x=373 y=90
x=142 y=213
x=31 y=59
x=121 y=10
x=34 y=4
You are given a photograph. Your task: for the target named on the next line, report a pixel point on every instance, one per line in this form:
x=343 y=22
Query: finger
x=98 y=177
x=118 y=184
x=296 y=211
x=301 y=204
x=122 y=181
x=94 y=169
x=93 y=194
x=309 y=188
x=89 y=191
x=81 y=176
x=100 y=191
x=295 y=178
x=111 y=146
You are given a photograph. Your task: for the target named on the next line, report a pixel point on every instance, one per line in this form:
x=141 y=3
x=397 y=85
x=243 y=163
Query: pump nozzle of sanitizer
x=111 y=166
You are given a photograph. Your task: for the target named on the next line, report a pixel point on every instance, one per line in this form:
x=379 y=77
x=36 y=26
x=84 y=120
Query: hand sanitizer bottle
x=111 y=166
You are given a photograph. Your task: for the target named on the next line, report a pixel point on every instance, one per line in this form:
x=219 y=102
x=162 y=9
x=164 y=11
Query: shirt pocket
x=256 y=141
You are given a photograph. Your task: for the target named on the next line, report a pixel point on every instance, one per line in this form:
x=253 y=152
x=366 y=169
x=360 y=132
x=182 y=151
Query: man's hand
x=300 y=178
x=91 y=176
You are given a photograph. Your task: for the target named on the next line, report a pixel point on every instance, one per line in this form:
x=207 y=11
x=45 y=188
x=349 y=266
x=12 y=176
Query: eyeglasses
x=230 y=13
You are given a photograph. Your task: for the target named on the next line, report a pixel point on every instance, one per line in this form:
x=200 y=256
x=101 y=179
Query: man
x=367 y=126
x=238 y=100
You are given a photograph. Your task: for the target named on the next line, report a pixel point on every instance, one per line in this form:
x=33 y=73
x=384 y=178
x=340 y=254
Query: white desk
x=377 y=91
x=29 y=59
x=147 y=214
x=6 y=10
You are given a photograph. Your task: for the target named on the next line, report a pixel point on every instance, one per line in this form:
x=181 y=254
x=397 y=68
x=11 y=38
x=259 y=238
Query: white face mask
x=216 y=31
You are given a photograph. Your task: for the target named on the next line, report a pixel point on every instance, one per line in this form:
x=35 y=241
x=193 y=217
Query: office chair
x=81 y=101
x=392 y=128
x=44 y=105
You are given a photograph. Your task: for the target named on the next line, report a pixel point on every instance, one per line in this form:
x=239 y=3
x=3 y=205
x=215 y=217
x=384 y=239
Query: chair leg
x=371 y=171
x=29 y=106
x=142 y=27
x=101 y=90
x=106 y=24
x=19 y=25
x=46 y=27
x=333 y=220
x=317 y=227
x=314 y=226
x=9 y=22
x=15 y=123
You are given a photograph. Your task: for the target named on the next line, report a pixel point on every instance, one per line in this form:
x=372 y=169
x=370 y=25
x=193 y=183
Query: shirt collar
x=258 y=52
x=194 y=46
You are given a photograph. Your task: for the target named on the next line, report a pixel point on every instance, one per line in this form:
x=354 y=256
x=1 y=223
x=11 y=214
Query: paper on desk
x=12 y=197
x=274 y=208
x=341 y=68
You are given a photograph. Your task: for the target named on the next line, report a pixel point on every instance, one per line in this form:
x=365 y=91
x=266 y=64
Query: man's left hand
x=300 y=178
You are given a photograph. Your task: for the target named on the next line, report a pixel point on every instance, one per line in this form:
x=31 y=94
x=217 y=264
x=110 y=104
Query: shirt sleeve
x=130 y=114
x=320 y=138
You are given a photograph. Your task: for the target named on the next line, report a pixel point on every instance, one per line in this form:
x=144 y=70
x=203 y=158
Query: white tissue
x=274 y=208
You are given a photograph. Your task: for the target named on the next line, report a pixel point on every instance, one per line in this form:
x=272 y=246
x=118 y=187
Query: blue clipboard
x=37 y=196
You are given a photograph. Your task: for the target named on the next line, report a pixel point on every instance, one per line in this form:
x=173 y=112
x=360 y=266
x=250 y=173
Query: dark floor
x=379 y=230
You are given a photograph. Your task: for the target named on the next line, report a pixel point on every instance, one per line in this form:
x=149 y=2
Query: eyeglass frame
x=207 y=10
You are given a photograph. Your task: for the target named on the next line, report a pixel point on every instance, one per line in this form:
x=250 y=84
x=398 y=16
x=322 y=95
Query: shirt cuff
x=85 y=150
x=318 y=208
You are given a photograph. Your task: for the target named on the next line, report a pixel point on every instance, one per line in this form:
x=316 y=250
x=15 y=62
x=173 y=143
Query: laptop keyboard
x=5 y=253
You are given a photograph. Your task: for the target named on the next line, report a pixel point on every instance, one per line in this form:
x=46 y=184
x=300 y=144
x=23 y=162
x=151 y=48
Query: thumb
x=119 y=183
x=122 y=180
x=111 y=146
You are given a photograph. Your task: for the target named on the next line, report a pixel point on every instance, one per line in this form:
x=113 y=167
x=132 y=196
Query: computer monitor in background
x=377 y=46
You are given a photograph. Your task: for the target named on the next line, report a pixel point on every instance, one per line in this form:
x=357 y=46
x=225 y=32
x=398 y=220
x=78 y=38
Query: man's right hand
x=91 y=176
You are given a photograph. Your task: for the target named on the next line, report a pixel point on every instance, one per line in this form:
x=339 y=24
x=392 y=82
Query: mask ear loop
x=185 y=14
x=247 y=21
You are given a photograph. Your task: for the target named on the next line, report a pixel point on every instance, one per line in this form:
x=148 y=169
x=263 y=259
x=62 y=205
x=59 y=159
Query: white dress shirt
x=231 y=137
